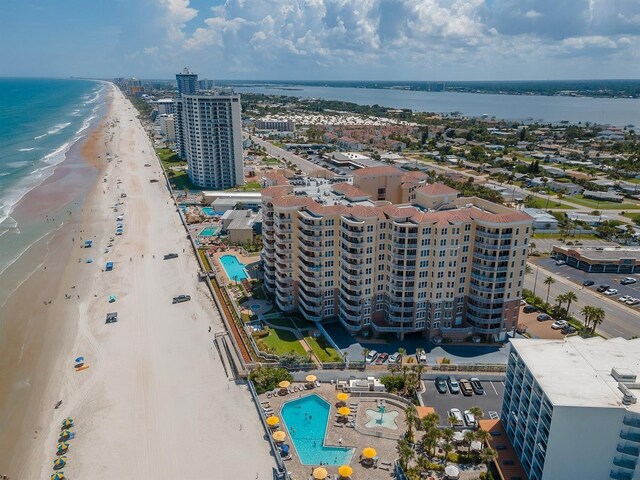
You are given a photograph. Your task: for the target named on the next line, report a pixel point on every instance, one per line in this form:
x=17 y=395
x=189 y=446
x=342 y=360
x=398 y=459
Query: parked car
x=611 y=291
x=588 y=283
x=633 y=301
x=169 y=256
x=568 y=330
x=523 y=302
x=603 y=288
x=382 y=358
x=454 y=386
x=559 y=324
x=421 y=356
x=456 y=417
x=628 y=281
x=478 y=389
x=469 y=419
x=465 y=387
x=560 y=262
x=624 y=298
x=441 y=384
x=395 y=358
x=543 y=317
x=181 y=298
x=371 y=356
x=529 y=309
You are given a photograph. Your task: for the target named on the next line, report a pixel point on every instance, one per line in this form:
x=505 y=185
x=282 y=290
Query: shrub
x=436 y=467
x=452 y=457
x=261 y=333
x=266 y=378
x=393 y=383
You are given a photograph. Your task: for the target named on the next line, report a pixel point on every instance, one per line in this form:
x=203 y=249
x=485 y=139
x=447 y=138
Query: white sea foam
x=26 y=149
x=57 y=128
x=40 y=136
x=21 y=164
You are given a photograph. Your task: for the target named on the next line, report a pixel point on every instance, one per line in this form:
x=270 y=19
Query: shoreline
x=32 y=330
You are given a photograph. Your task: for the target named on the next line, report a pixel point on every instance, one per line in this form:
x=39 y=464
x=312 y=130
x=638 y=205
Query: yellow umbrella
x=273 y=421
x=345 y=471
x=369 y=452
x=62 y=448
x=320 y=473
x=279 y=436
x=59 y=462
x=343 y=397
x=64 y=435
x=284 y=384
x=344 y=411
x=58 y=476
x=311 y=378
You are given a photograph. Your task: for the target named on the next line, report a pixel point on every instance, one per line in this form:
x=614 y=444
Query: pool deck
x=248 y=261
x=382 y=439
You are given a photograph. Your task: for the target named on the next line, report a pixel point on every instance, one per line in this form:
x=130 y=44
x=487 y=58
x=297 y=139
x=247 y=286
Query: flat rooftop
x=577 y=371
x=603 y=253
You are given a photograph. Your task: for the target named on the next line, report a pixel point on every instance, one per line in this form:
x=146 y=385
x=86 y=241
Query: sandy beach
x=155 y=401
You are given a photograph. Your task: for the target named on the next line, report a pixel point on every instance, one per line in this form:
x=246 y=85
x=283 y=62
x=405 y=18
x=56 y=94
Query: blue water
x=208 y=232
x=211 y=212
x=235 y=269
x=307 y=432
x=40 y=119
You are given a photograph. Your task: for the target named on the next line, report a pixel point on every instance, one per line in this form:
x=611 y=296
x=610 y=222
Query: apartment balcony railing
x=625 y=463
x=628 y=450
x=489 y=268
x=351 y=232
x=632 y=422
x=310 y=307
x=348 y=316
x=631 y=437
x=354 y=263
x=487 y=289
x=493 y=235
x=493 y=247
x=310 y=246
x=486 y=311
x=344 y=273
x=400 y=308
x=311 y=293
x=620 y=475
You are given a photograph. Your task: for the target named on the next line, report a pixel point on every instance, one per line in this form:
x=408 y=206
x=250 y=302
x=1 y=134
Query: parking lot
x=579 y=276
x=537 y=329
x=490 y=402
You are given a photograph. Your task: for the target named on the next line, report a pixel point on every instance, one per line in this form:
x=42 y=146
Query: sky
x=323 y=39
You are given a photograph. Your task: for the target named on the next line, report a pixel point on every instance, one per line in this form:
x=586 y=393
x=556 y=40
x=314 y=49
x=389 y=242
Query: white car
x=458 y=420
x=421 y=356
x=611 y=291
x=633 y=301
x=624 y=298
x=558 y=324
x=560 y=262
x=371 y=356
x=469 y=418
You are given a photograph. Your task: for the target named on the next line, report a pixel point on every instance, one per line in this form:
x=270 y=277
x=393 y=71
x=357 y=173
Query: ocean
x=524 y=108
x=40 y=119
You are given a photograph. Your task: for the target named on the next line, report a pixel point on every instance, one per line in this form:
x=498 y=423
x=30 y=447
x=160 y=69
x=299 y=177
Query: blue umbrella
x=89 y=260
x=112 y=298
x=284 y=449
x=79 y=359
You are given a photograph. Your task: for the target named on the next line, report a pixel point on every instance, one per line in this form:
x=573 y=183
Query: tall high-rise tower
x=187 y=82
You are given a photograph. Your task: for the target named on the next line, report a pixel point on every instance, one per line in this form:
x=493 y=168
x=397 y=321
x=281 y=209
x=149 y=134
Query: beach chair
x=317 y=383
x=269 y=395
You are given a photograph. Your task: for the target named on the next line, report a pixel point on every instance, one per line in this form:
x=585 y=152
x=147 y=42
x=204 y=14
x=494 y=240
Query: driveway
x=490 y=403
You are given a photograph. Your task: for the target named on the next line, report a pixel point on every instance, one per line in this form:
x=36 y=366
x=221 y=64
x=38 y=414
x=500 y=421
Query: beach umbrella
x=345 y=471
x=369 y=452
x=451 y=471
x=62 y=448
x=112 y=298
x=67 y=423
x=284 y=384
x=343 y=397
x=284 y=449
x=311 y=378
x=458 y=436
x=58 y=463
x=279 y=436
x=64 y=435
x=272 y=421
x=344 y=411
x=89 y=260
x=58 y=476
x=79 y=359
x=320 y=473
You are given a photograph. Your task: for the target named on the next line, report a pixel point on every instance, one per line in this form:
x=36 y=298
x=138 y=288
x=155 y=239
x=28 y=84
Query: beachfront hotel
x=209 y=135
x=570 y=409
x=393 y=254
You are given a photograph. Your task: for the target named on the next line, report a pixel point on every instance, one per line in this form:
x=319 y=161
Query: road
x=620 y=321
x=303 y=164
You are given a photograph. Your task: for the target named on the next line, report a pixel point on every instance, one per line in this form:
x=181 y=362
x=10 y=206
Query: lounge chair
x=268 y=394
x=317 y=384
x=338 y=425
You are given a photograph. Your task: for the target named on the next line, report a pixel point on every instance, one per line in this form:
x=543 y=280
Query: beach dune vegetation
x=266 y=378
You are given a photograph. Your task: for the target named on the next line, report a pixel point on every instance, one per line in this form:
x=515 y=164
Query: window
x=328 y=312
x=420 y=324
x=328 y=293
x=328 y=273
x=436 y=324
x=328 y=302
x=328 y=263
x=328 y=243
x=329 y=283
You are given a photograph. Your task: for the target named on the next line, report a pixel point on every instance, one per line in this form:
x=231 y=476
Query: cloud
x=177 y=13
x=532 y=14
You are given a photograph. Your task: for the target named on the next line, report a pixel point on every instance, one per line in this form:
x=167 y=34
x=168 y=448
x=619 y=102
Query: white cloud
x=177 y=13
x=532 y=14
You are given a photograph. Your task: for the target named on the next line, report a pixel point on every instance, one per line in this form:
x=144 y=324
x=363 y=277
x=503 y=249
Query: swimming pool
x=208 y=232
x=211 y=212
x=306 y=420
x=233 y=267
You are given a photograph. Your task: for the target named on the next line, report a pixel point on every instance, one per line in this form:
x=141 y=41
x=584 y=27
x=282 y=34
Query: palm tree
x=365 y=352
x=548 y=282
x=570 y=297
x=477 y=413
x=586 y=312
x=452 y=419
x=403 y=353
x=528 y=269
x=560 y=299
x=488 y=455
x=469 y=436
x=483 y=436
x=532 y=246
x=411 y=416
x=597 y=317
x=405 y=452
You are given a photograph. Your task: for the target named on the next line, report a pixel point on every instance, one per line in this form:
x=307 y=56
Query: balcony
x=628 y=450
x=486 y=311
x=309 y=225
x=398 y=308
x=346 y=242
x=489 y=268
x=348 y=316
x=628 y=464
x=286 y=304
x=344 y=274
x=352 y=232
x=311 y=246
x=632 y=422
x=313 y=308
x=620 y=475
x=493 y=235
x=631 y=437
x=487 y=289
x=309 y=257
x=358 y=255
x=354 y=263
x=311 y=293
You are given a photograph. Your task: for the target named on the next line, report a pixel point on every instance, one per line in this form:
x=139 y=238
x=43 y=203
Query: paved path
x=303 y=164
x=619 y=321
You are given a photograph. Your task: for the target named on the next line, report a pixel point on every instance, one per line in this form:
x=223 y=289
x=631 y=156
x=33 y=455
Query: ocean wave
x=20 y=164
x=57 y=128
x=86 y=124
x=4 y=174
x=40 y=136
x=26 y=149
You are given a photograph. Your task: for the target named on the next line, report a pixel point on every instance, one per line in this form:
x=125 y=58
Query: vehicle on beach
x=123 y=195
x=112 y=317
x=181 y=298
x=169 y=256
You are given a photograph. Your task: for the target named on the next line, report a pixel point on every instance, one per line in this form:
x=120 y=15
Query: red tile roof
x=437 y=189
x=372 y=171
x=349 y=190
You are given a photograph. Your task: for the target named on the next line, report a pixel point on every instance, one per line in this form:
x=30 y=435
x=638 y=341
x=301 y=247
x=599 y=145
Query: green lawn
x=577 y=236
x=587 y=202
x=537 y=202
x=179 y=179
x=271 y=161
x=322 y=349
x=247 y=187
x=282 y=342
x=633 y=216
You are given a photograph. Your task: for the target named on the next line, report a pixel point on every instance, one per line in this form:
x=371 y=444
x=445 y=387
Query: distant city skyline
x=437 y=40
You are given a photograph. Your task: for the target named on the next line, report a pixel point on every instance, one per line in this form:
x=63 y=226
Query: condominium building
x=279 y=125
x=187 y=85
x=211 y=140
x=167 y=127
x=570 y=409
x=441 y=265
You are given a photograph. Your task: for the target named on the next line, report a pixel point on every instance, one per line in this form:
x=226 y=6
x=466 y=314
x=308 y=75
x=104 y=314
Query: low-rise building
x=600 y=259
x=240 y=225
x=276 y=124
x=570 y=407
x=603 y=196
x=542 y=220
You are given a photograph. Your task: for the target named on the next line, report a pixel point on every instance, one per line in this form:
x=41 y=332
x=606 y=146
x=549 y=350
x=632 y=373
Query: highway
x=303 y=164
x=620 y=321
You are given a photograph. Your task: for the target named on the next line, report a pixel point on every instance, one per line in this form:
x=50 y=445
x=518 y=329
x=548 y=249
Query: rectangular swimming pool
x=210 y=212
x=306 y=420
x=208 y=232
x=235 y=270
